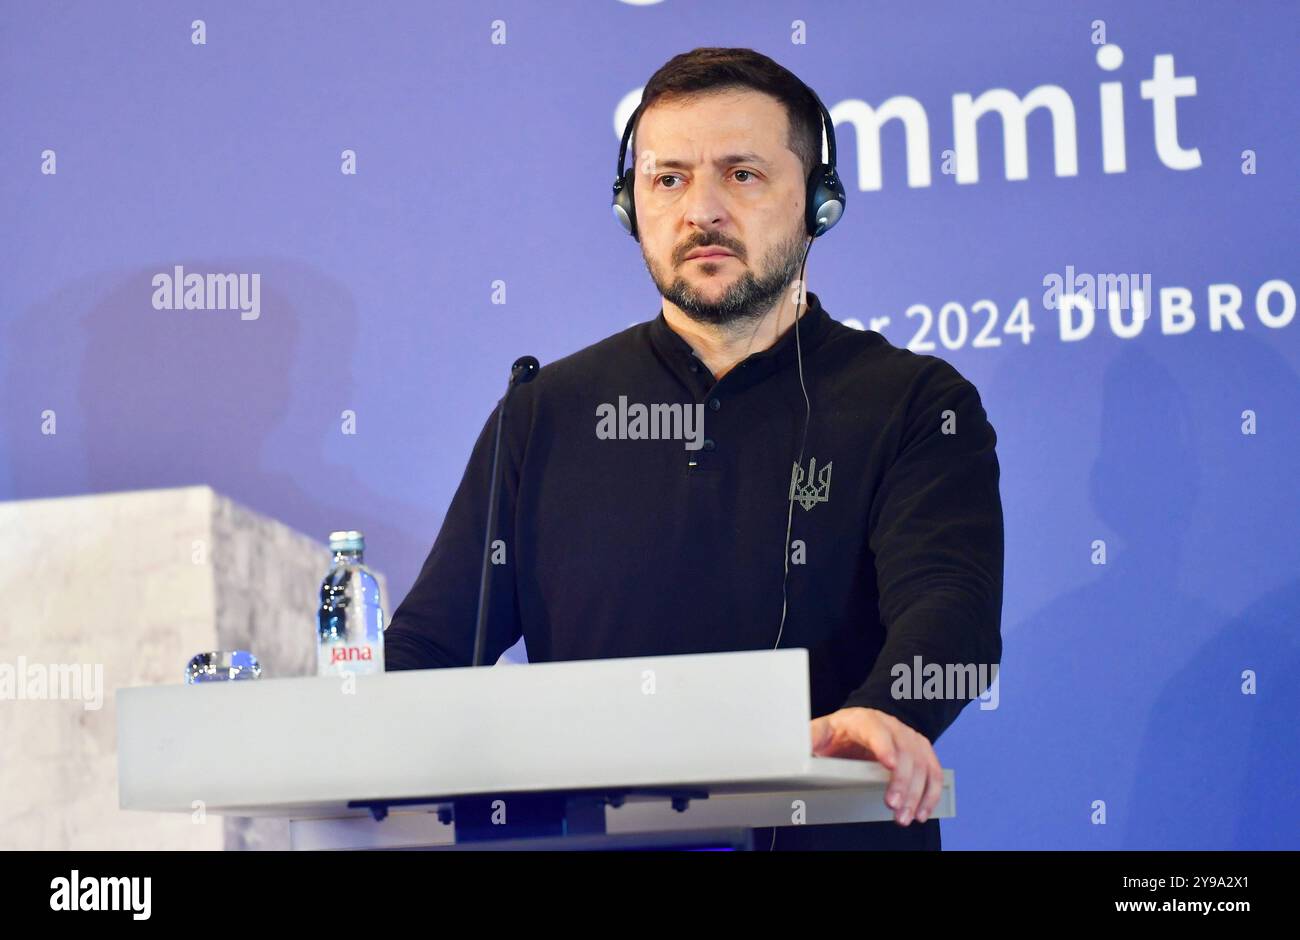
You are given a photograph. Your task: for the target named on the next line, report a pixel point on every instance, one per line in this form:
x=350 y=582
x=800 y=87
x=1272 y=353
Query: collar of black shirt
x=813 y=327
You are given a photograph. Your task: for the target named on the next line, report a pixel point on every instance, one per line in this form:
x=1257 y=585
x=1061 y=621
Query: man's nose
x=706 y=204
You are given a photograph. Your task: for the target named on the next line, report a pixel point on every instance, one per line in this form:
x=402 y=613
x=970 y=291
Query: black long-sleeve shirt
x=616 y=545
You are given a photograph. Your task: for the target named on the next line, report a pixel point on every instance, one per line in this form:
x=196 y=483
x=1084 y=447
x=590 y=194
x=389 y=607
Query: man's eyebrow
x=727 y=160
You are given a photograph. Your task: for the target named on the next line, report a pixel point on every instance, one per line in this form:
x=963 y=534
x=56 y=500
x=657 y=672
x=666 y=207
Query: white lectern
x=668 y=750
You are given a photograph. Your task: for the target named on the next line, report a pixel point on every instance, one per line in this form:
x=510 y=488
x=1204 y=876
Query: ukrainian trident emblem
x=808 y=489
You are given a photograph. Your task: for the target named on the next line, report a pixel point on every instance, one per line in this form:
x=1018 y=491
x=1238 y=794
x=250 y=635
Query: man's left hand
x=916 y=780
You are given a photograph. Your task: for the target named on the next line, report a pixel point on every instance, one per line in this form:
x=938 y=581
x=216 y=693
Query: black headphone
x=823 y=205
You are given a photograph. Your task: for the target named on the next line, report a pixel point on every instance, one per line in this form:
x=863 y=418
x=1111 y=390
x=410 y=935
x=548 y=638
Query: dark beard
x=748 y=299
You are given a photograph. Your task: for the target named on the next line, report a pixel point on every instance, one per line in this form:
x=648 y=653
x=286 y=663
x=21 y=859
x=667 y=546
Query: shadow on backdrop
x=1128 y=688
x=150 y=398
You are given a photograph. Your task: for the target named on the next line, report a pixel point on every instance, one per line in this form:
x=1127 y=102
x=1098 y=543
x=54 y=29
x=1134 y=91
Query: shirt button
x=695 y=367
x=708 y=443
x=715 y=404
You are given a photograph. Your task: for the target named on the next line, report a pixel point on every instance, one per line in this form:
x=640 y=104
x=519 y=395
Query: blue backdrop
x=392 y=172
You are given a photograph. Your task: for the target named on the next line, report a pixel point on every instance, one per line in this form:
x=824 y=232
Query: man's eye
x=673 y=176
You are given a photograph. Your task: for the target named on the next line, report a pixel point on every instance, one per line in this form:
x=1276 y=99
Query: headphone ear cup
x=825 y=202
x=625 y=203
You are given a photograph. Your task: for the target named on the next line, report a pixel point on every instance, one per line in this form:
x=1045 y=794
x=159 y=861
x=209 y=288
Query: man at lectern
x=742 y=471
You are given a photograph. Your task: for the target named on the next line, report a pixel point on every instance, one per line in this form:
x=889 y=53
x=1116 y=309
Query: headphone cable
x=789 y=518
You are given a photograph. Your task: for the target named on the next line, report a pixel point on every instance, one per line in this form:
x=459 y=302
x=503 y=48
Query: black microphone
x=524 y=370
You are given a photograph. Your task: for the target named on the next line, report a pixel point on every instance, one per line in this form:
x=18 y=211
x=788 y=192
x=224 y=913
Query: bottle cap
x=348 y=540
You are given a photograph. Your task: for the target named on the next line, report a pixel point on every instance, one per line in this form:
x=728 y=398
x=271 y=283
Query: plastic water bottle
x=350 y=624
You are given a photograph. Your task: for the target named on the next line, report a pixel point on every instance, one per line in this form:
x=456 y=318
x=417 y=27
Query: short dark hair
x=714 y=69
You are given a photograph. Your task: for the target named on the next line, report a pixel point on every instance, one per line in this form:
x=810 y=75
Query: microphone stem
x=480 y=628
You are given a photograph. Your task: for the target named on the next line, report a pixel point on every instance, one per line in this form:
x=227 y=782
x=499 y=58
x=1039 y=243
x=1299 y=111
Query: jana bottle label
x=335 y=659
